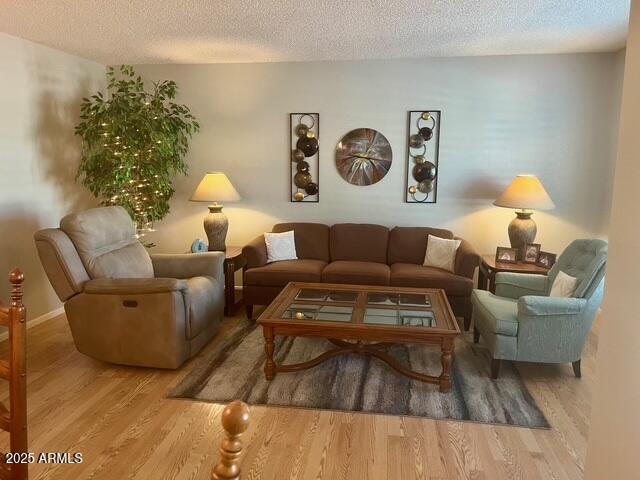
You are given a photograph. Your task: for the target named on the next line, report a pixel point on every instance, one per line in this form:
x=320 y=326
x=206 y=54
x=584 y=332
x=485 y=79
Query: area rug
x=358 y=383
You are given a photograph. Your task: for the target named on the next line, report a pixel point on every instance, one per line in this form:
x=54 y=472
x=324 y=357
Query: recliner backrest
x=586 y=260
x=106 y=243
x=61 y=262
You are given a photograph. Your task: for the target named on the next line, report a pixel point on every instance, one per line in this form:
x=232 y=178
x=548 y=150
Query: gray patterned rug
x=358 y=383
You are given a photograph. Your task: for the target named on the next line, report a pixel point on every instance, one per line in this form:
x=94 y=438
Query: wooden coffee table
x=361 y=319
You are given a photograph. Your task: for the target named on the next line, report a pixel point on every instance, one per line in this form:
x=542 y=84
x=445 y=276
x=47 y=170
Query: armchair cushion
x=532 y=305
x=500 y=314
x=133 y=286
x=188 y=265
x=105 y=240
x=515 y=285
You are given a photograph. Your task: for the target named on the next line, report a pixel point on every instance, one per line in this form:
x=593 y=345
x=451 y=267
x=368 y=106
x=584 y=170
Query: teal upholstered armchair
x=522 y=322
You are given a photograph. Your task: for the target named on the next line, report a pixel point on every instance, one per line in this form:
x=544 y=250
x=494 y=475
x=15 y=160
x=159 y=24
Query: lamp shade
x=215 y=187
x=525 y=192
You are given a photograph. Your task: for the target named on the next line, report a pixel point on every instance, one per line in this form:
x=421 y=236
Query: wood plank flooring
x=125 y=428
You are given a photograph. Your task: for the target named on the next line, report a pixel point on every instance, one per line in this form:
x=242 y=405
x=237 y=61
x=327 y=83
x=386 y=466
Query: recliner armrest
x=188 y=265
x=255 y=252
x=516 y=285
x=133 y=286
x=536 y=306
x=467 y=259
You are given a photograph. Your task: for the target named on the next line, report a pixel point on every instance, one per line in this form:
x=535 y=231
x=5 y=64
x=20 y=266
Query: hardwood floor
x=125 y=428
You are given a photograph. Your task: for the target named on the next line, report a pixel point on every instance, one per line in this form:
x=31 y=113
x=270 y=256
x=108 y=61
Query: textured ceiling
x=210 y=31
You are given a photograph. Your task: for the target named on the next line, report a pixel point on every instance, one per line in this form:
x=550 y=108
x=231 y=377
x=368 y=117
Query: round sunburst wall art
x=363 y=156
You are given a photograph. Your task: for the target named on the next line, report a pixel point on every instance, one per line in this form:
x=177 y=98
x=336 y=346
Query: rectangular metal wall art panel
x=423 y=148
x=304 y=132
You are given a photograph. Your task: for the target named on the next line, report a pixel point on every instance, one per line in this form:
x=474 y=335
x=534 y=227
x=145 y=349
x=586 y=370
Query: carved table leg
x=447 y=360
x=269 y=364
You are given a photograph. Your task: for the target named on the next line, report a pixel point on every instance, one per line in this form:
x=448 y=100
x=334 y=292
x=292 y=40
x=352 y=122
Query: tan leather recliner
x=124 y=305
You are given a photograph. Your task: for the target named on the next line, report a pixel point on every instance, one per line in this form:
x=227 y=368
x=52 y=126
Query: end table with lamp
x=215 y=187
x=489 y=267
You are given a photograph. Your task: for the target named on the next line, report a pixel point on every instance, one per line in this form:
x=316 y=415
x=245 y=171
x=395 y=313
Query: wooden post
x=18 y=374
x=235 y=420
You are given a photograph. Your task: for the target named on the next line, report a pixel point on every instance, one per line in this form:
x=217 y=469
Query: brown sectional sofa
x=362 y=254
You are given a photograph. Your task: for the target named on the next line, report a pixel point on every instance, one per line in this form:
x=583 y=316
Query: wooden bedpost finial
x=16 y=277
x=235 y=420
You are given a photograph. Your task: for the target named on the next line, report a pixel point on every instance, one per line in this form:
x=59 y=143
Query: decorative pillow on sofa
x=563 y=286
x=280 y=246
x=441 y=253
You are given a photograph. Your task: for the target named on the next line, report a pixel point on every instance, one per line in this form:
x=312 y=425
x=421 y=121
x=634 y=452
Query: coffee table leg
x=447 y=360
x=269 y=364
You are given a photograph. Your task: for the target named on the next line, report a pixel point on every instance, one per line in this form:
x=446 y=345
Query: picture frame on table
x=506 y=255
x=531 y=252
x=546 y=259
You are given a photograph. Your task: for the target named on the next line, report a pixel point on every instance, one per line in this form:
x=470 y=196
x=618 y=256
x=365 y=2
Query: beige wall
x=614 y=439
x=552 y=115
x=40 y=92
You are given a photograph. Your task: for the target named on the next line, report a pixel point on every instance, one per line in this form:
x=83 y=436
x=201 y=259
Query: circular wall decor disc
x=363 y=156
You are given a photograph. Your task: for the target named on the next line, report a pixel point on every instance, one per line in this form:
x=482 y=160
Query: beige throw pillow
x=280 y=246
x=564 y=285
x=441 y=253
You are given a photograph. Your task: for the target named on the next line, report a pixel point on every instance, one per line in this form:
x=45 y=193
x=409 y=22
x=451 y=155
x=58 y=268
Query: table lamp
x=525 y=193
x=215 y=187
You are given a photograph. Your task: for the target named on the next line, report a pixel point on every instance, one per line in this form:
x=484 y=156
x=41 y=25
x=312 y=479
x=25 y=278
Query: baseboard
x=37 y=321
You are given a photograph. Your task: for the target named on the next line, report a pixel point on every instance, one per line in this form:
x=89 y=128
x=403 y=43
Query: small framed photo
x=546 y=259
x=506 y=255
x=531 y=252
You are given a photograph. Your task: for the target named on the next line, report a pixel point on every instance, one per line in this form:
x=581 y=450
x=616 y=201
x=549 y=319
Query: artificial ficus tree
x=133 y=143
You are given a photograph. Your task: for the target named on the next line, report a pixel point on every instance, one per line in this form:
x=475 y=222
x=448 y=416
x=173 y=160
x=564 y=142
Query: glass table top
x=358 y=305
x=401 y=299
x=326 y=295
x=326 y=313
x=401 y=317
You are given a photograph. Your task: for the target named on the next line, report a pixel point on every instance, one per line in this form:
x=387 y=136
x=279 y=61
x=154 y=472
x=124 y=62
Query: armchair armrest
x=516 y=285
x=255 y=252
x=467 y=259
x=535 y=306
x=132 y=286
x=188 y=265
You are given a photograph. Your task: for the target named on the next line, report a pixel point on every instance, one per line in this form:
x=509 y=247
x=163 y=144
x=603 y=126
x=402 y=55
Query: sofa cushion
x=105 y=240
x=499 y=313
x=312 y=239
x=358 y=273
x=203 y=300
x=409 y=244
x=278 y=274
x=411 y=275
x=359 y=242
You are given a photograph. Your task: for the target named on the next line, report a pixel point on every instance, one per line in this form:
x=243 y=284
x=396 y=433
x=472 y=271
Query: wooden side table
x=489 y=267
x=233 y=261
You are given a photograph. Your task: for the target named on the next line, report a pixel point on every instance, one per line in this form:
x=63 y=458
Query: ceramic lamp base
x=522 y=230
x=216 y=225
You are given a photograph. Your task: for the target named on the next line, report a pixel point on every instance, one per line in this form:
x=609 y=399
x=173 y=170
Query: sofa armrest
x=188 y=265
x=516 y=285
x=133 y=286
x=536 y=306
x=255 y=252
x=467 y=259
